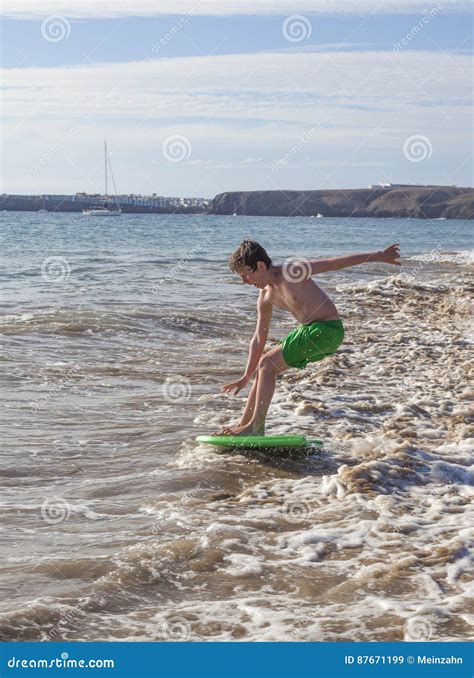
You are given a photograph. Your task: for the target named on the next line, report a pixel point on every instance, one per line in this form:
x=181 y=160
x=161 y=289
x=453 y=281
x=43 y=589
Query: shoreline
x=394 y=202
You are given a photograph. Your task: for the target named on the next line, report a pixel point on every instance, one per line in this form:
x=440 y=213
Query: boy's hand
x=235 y=386
x=390 y=255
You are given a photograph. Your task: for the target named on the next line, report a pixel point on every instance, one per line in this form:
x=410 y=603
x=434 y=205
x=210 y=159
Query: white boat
x=319 y=215
x=104 y=210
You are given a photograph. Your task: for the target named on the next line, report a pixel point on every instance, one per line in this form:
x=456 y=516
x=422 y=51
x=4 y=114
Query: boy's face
x=255 y=278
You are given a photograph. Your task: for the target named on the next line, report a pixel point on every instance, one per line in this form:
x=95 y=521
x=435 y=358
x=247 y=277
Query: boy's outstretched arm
x=390 y=255
x=257 y=345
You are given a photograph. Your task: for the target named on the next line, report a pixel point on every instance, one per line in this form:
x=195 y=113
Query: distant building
x=388 y=184
x=140 y=200
x=76 y=203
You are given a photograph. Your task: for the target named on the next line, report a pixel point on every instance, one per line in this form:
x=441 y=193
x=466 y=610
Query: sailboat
x=105 y=211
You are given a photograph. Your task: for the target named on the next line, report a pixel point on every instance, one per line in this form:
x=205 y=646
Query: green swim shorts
x=312 y=342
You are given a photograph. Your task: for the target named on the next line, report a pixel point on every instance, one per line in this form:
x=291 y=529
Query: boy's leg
x=271 y=365
x=248 y=410
x=247 y=414
x=250 y=404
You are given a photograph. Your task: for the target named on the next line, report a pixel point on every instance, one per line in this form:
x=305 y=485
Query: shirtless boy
x=319 y=334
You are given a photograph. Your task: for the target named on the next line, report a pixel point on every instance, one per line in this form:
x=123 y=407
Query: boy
x=320 y=333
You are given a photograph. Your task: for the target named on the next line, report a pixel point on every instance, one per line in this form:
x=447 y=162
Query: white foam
x=242 y=564
x=465 y=257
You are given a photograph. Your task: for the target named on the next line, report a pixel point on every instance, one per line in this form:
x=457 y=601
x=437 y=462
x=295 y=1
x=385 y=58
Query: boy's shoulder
x=264 y=297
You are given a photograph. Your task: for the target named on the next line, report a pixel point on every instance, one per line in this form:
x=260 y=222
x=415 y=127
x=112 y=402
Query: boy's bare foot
x=229 y=430
x=246 y=430
x=224 y=430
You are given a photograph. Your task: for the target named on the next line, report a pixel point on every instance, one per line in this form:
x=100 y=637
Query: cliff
x=426 y=202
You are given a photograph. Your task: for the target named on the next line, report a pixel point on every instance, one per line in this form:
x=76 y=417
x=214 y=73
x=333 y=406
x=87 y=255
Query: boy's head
x=251 y=262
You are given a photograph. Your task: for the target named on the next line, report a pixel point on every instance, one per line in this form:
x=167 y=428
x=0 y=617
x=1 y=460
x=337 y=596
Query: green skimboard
x=259 y=442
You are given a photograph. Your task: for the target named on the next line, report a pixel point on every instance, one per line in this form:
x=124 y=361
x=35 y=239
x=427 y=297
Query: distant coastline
x=136 y=204
x=381 y=201
x=420 y=202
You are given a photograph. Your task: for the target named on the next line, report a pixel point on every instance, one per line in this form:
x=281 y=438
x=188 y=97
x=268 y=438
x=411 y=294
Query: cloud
x=121 y=8
x=363 y=104
x=284 y=88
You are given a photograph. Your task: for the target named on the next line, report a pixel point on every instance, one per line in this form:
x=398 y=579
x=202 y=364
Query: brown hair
x=248 y=253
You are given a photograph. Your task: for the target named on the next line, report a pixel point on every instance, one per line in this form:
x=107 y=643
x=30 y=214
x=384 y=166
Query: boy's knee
x=266 y=363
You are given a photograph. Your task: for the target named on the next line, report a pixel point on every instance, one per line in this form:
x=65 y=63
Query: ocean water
x=117 y=335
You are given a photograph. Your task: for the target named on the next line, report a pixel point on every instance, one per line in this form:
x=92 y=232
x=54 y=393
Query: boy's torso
x=305 y=300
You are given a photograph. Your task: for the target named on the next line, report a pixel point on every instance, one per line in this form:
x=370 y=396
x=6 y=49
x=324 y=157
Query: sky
x=200 y=97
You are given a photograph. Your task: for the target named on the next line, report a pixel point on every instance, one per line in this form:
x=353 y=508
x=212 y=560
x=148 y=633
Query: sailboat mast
x=105 y=163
